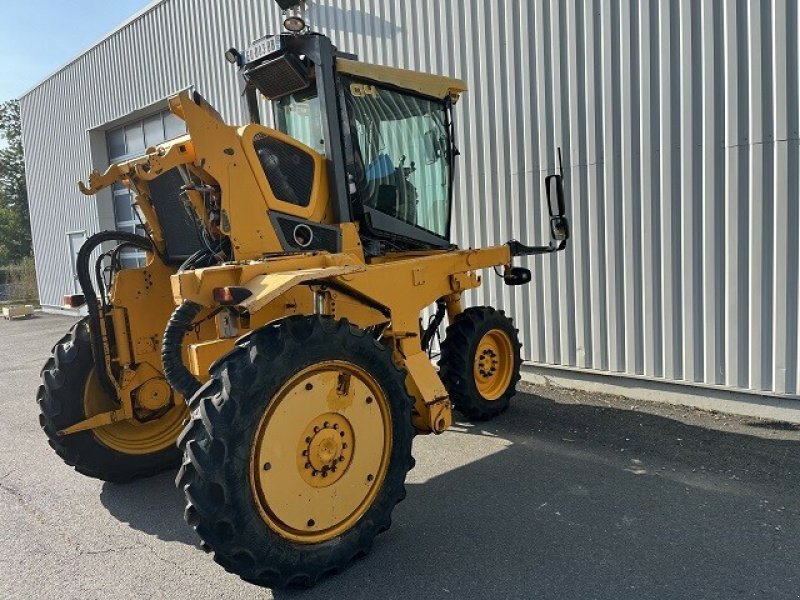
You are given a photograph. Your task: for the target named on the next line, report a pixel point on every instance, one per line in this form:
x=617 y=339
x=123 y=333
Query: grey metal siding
x=679 y=125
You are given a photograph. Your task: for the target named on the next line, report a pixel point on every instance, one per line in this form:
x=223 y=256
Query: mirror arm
x=520 y=249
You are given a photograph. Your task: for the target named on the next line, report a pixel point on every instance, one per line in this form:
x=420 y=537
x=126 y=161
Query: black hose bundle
x=207 y=256
x=178 y=376
x=85 y=281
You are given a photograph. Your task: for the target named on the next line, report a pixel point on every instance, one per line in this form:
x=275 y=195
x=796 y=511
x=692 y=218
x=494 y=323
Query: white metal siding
x=679 y=125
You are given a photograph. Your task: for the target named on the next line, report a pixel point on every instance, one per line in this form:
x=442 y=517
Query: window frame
x=134 y=258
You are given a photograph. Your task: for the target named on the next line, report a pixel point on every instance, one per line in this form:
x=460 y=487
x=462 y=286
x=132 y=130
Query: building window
x=127 y=142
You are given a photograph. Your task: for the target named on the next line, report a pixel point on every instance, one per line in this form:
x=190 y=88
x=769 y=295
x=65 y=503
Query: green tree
x=15 y=228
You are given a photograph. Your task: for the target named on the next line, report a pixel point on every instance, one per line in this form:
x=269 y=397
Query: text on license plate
x=263 y=47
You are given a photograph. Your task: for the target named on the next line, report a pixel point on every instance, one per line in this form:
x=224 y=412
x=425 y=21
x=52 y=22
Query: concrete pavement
x=565 y=496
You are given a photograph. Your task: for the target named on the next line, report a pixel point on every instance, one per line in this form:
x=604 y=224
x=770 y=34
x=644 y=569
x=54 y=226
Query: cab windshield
x=403 y=146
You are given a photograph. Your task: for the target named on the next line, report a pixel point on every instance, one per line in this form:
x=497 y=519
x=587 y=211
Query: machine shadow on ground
x=569 y=501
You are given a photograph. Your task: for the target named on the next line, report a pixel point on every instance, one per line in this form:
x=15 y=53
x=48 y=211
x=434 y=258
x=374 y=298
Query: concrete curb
x=771 y=408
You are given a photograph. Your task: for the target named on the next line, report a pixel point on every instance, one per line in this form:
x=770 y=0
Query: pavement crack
x=11 y=490
x=110 y=550
x=180 y=566
x=26 y=506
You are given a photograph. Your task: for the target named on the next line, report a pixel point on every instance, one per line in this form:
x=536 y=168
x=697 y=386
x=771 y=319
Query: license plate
x=263 y=47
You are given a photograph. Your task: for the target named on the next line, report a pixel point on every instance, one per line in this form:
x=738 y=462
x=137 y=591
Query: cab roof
x=435 y=86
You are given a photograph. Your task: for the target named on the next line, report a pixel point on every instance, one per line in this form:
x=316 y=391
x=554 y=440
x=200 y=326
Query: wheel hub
x=493 y=368
x=132 y=436
x=154 y=395
x=325 y=450
x=488 y=362
x=321 y=452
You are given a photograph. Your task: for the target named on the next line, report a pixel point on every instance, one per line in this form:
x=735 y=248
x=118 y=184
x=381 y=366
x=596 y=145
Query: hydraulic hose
x=178 y=376
x=85 y=281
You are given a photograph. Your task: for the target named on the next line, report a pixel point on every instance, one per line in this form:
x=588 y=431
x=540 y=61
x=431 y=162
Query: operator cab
x=386 y=135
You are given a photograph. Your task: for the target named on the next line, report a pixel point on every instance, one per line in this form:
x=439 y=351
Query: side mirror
x=559 y=225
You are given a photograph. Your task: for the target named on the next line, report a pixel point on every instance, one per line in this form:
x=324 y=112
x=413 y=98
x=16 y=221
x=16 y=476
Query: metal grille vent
x=289 y=170
x=279 y=77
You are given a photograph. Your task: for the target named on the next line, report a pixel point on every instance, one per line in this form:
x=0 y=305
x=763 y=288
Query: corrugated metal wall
x=679 y=126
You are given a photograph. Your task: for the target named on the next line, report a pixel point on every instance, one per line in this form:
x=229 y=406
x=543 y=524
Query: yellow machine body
x=389 y=291
x=280 y=318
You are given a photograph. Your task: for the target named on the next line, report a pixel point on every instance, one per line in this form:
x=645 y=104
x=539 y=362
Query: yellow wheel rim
x=494 y=364
x=131 y=437
x=321 y=452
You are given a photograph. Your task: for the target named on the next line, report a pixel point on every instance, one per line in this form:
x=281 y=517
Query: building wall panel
x=678 y=123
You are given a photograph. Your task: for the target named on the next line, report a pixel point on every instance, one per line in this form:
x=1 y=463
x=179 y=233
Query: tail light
x=230 y=296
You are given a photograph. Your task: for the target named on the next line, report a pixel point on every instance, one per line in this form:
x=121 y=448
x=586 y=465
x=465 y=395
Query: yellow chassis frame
x=391 y=292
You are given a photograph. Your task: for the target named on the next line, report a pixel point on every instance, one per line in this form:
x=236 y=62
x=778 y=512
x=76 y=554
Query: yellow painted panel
x=427 y=84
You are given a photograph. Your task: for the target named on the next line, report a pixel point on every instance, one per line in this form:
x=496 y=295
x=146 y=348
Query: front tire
x=70 y=392
x=297 y=451
x=480 y=362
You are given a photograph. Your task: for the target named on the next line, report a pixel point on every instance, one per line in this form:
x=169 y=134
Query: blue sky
x=39 y=36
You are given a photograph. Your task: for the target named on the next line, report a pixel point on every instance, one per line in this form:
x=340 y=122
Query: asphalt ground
x=565 y=496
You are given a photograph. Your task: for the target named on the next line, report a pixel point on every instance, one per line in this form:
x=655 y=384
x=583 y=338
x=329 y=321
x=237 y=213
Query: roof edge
x=129 y=21
x=427 y=84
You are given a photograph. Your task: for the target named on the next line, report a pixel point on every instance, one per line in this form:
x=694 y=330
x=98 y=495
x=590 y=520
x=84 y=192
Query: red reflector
x=74 y=300
x=228 y=296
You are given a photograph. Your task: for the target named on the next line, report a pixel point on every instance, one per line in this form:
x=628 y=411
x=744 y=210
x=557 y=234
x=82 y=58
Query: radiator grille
x=180 y=233
x=279 y=77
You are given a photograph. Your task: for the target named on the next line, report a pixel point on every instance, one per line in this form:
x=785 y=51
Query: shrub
x=18 y=283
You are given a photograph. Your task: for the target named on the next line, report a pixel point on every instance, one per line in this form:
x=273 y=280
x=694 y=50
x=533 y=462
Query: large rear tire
x=480 y=362
x=297 y=451
x=70 y=392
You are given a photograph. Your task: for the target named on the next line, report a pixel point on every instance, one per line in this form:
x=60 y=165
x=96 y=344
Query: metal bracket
x=101 y=420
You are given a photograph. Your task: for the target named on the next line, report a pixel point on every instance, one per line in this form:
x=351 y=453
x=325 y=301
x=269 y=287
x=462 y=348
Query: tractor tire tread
x=222 y=514
x=60 y=400
x=456 y=362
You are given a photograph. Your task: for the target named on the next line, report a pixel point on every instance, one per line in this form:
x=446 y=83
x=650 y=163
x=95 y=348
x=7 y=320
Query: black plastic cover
x=289 y=4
